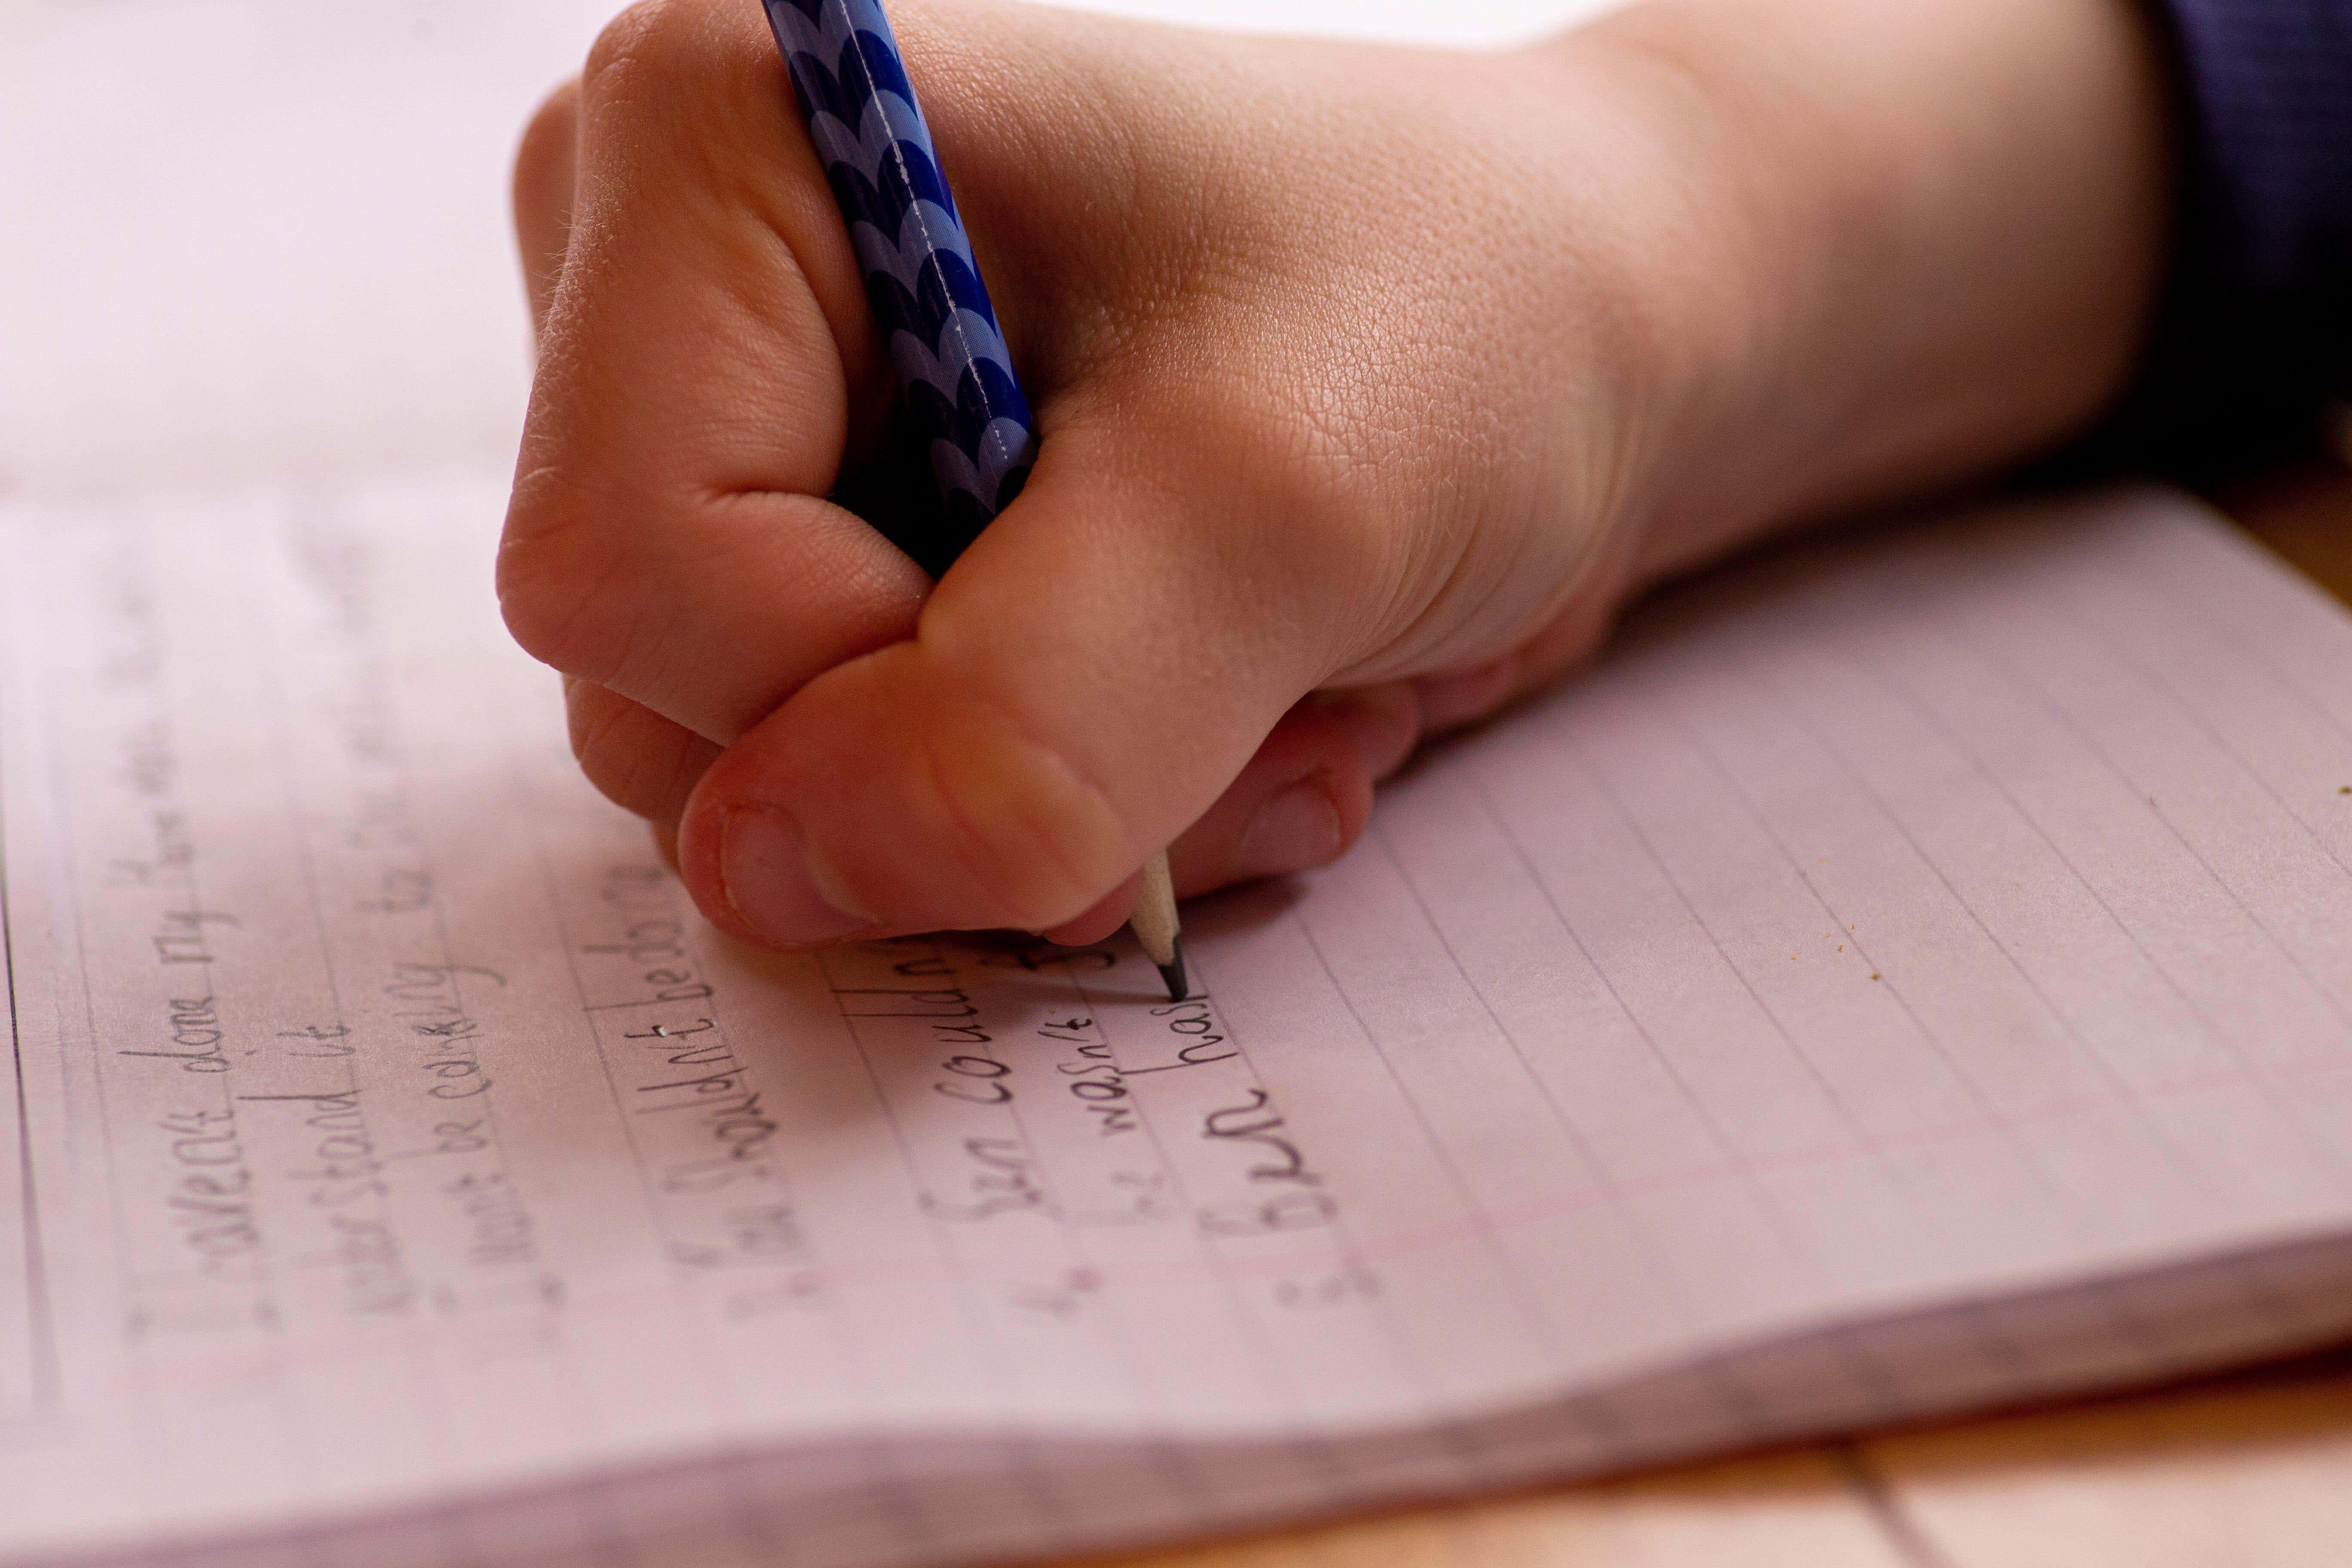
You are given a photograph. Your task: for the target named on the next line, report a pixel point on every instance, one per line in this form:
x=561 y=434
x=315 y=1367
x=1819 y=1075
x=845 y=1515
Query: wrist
x=1884 y=247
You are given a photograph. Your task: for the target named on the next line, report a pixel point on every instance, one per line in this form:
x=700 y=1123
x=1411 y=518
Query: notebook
x=1910 y=974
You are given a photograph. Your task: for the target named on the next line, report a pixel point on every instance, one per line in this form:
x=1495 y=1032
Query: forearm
x=1939 y=229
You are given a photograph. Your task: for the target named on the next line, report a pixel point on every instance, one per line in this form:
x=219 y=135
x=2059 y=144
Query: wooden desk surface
x=2248 y=1471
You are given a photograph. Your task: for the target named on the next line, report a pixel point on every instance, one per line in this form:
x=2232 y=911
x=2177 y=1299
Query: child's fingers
x=1087 y=682
x=713 y=614
x=694 y=392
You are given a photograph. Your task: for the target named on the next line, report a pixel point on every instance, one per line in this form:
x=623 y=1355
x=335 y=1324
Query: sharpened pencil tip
x=1172 y=971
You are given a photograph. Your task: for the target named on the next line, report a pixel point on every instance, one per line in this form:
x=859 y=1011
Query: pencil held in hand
x=931 y=306
x=921 y=279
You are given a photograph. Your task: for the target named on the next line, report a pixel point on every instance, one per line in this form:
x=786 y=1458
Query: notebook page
x=1942 y=939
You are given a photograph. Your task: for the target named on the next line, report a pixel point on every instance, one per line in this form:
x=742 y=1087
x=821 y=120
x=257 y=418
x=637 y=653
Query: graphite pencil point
x=1172 y=971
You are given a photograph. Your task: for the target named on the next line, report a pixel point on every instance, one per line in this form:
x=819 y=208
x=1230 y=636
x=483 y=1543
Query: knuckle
x=557 y=599
x=671 y=56
x=683 y=100
x=643 y=35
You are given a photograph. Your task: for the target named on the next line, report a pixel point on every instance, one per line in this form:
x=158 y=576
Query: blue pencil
x=932 y=308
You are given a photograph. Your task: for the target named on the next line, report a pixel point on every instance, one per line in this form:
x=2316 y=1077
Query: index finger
x=702 y=361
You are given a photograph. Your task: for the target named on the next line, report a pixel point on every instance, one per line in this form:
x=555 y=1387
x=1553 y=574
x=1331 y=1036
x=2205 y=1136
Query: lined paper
x=1912 y=972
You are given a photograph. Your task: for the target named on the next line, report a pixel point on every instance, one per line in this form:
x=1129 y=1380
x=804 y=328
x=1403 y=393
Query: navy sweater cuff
x=2255 y=327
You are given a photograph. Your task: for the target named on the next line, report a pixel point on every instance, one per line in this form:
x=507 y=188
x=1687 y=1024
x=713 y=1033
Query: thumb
x=1084 y=683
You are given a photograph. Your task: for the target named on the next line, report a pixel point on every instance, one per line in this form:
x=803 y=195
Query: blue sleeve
x=2255 y=332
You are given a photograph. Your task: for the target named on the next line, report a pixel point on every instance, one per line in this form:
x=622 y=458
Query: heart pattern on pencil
x=924 y=287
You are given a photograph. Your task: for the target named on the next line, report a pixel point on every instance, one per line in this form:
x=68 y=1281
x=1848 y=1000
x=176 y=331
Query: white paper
x=1910 y=973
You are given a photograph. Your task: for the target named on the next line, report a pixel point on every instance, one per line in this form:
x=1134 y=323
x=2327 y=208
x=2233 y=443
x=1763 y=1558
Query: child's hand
x=1368 y=382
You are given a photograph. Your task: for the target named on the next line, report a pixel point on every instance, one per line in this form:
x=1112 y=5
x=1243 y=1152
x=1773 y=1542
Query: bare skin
x=1370 y=383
